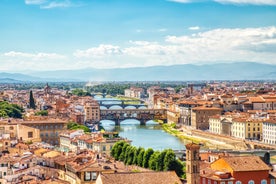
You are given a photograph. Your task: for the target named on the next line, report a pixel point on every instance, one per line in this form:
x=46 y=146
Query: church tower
x=192 y=163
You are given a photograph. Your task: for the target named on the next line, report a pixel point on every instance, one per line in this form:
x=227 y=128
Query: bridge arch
x=130 y=107
x=115 y=107
x=142 y=107
x=103 y=107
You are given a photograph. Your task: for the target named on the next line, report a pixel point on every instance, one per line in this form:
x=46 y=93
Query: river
x=150 y=135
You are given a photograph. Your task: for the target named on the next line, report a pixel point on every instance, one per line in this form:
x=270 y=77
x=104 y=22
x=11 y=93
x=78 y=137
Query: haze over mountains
x=221 y=71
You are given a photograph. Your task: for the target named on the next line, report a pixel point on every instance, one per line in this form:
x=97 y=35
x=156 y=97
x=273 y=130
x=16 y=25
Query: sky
x=37 y=35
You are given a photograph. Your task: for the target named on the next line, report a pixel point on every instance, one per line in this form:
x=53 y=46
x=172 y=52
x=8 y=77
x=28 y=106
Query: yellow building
x=49 y=129
x=247 y=128
x=92 y=111
x=13 y=131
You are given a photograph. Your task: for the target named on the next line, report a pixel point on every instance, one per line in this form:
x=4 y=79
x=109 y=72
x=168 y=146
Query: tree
x=123 y=153
x=140 y=157
x=117 y=149
x=153 y=160
x=10 y=110
x=168 y=159
x=160 y=161
x=177 y=166
x=42 y=113
x=135 y=159
x=130 y=155
x=32 y=101
x=146 y=157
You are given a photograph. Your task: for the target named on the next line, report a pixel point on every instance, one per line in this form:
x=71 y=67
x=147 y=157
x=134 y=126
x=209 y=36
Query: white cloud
x=37 y=56
x=194 y=28
x=181 y=1
x=55 y=4
x=253 y=2
x=49 y=4
x=217 y=45
x=101 y=50
x=35 y=2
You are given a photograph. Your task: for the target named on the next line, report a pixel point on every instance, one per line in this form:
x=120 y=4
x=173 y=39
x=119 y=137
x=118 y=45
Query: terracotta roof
x=206 y=108
x=246 y=163
x=168 y=177
x=192 y=145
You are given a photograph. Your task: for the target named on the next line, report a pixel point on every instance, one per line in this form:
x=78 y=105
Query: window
x=87 y=176
x=94 y=175
x=263 y=181
x=30 y=134
x=238 y=182
x=209 y=181
x=203 y=180
x=251 y=182
x=272 y=181
x=230 y=182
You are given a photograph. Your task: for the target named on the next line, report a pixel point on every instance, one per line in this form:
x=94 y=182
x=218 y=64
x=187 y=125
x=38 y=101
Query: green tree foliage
x=76 y=126
x=177 y=166
x=153 y=160
x=160 y=161
x=123 y=153
x=141 y=158
x=42 y=113
x=168 y=159
x=135 y=159
x=117 y=149
x=130 y=155
x=10 y=110
x=80 y=92
x=146 y=157
x=32 y=101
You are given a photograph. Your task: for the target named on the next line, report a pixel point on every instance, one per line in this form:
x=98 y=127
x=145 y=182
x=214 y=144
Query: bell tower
x=192 y=163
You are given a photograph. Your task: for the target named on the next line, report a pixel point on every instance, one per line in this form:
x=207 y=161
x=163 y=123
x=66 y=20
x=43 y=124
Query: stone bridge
x=121 y=103
x=143 y=115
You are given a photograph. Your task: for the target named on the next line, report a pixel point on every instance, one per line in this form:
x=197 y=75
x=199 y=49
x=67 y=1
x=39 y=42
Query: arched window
x=263 y=181
x=238 y=182
x=251 y=182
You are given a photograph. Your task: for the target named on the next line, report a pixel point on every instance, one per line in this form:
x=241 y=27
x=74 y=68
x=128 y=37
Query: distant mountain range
x=221 y=71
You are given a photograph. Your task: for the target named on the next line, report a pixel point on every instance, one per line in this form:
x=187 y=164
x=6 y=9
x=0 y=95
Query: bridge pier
x=117 y=122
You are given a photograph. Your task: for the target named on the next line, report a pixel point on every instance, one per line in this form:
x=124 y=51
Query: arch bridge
x=143 y=115
x=122 y=103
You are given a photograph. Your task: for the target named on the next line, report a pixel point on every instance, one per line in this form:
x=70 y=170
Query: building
x=49 y=129
x=168 y=177
x=185 y=108
x=192 y=163
x=76 y=140
x=237 y=170
x=11 y=131
x=246 y=128
x=269 y=131
x=134 y=92
x=92 y=111
x=200 y=116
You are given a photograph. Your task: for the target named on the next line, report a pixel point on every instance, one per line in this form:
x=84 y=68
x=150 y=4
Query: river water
x=150 y=135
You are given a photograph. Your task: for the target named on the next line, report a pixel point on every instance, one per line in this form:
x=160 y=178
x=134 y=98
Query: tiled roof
x=246 y=163
x=168 y=177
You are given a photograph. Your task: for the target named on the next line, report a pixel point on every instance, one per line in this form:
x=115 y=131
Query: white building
x=269 y=132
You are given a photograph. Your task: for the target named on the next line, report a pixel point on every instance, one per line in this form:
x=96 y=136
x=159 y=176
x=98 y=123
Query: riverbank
x=206 y=141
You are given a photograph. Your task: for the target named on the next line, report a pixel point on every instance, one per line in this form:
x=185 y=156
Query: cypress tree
x=32 y=102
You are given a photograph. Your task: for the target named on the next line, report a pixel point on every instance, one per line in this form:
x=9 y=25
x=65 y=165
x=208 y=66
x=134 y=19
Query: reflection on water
x=150 y=135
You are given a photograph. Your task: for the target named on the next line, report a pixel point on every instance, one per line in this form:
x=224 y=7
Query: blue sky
x=74 y=34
